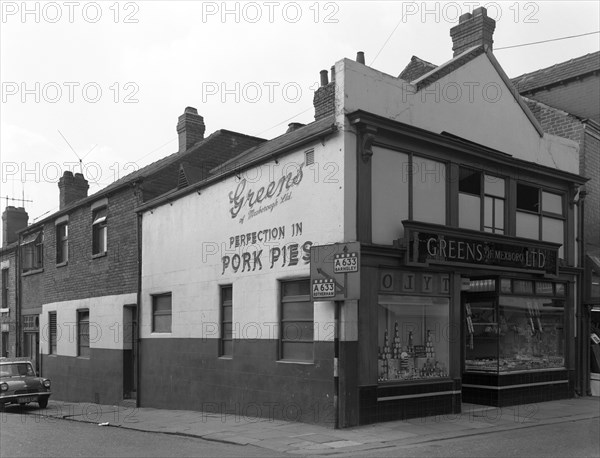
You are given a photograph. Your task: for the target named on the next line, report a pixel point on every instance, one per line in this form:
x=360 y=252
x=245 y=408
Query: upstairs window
x=32 y=249
x=4 y=289
x=99 y=231
x=540 y=215
x=62 y=243
x=480 y=194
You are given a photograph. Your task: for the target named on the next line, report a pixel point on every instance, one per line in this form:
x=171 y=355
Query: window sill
x=32 y=272
x=99 y=255
x=293 y=361
x=62 y=264
x=227 y=357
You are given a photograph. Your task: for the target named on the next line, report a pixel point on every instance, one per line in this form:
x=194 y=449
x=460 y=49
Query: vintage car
x=20 y=385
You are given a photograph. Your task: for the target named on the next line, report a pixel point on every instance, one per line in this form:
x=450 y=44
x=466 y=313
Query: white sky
x=165 y=55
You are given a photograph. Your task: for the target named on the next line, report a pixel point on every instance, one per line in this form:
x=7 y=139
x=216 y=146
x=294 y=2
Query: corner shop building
x=464 y=213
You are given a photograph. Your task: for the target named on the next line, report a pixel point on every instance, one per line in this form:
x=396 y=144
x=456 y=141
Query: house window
x=32 y=249
x=297 y=321
x=540 y=215
x=404 y=186
x=99 y=231
x=226 y=321
x=161 y=313
x=52 y=333
x=62 y=243
x=4 y=288
x=480 y=194
x=83 y=333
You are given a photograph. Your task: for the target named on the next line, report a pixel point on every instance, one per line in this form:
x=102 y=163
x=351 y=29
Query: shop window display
x=413 y=338
x=519 y=331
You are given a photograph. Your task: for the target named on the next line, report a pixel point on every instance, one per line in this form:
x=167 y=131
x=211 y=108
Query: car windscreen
x=16 y=369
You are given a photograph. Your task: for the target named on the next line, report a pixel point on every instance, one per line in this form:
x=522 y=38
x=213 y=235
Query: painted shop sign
x=396 y=281
x=263 y=199
x=265 y=249
x=430 y=247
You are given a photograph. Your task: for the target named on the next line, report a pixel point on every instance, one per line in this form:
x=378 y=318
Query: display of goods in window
x=398 y=362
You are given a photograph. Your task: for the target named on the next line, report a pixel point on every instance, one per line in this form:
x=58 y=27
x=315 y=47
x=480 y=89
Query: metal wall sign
x=335 y=272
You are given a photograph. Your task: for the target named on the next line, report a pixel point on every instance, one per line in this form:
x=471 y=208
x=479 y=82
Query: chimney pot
x=324 y=81
x=360 y=57
x=190 y=128
x=333 y=73
x=13 y=220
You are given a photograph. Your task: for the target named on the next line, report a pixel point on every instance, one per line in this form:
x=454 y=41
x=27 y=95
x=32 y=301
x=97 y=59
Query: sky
x=105 y=81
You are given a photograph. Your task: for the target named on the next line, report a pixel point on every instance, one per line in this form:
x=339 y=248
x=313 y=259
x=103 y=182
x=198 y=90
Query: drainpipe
x=336 y=361
x=582 y=318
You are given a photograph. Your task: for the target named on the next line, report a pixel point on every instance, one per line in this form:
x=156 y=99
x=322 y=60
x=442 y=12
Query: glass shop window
x=413 y=337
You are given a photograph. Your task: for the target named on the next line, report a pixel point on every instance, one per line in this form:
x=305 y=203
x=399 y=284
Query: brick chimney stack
x=190 y=128
x=324 y=98
x=13 y=220
x=72 y=188
x=472 y=30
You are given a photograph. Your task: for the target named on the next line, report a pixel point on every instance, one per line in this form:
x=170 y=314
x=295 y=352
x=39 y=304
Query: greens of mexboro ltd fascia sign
x=335 y=272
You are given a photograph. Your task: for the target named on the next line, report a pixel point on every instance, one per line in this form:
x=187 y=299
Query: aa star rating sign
x=334 y=272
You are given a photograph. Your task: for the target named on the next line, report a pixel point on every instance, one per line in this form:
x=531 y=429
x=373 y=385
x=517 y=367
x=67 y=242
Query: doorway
x=130 y=352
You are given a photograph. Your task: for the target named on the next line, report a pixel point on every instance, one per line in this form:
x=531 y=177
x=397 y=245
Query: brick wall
x=84 y=276
x=556 y=122
x=324 y=101
x=8 y=320
x=590 y=168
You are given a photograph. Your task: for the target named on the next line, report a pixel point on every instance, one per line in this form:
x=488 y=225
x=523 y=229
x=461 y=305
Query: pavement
x=306 y=439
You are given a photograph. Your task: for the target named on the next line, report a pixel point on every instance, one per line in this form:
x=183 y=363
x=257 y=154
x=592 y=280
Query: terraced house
x=79 y=276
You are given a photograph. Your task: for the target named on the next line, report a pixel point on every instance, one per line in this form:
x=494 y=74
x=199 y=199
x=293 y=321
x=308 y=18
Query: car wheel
x=43 y=402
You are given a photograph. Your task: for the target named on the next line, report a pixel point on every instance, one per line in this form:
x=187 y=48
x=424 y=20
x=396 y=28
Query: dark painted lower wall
x=188 y=374
x=409 y=400
x=502 y=390
x=97 y=379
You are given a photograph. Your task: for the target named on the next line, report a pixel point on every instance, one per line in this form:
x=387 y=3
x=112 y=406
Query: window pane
x=469 y=210
x=499 y=214
x=553 y=231
x=528 y=225
x=494 y=186
x=298 y=331
x=296 y=288
x=226 y=294
x=552 y=202
x=429 y=191
x=528 y=198
x=389 y=195
x=227 y=313
x=301 y=351
x=469 y=181
x=227 y=330
x=162 y=323
x=297 y=311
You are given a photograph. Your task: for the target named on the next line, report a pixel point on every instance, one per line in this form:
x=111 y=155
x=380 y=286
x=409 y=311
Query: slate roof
x=208 y=153
x=279 y=144
x=558 y=73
